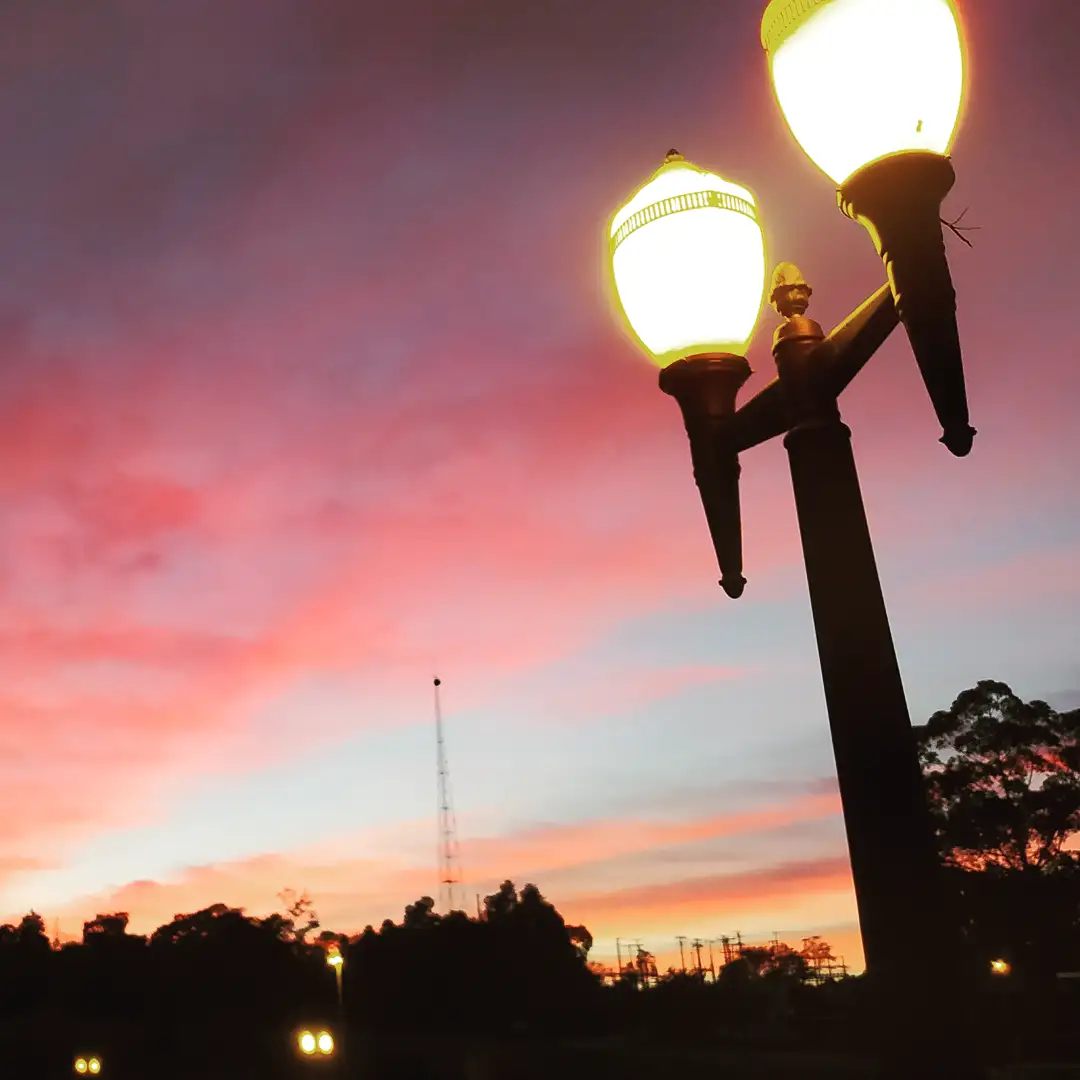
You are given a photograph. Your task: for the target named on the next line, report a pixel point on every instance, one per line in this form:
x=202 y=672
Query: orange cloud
x=552 y=847
x=350 y=892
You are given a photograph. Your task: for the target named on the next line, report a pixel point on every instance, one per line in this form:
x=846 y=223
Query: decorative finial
x=673 y=155
x=790 y=295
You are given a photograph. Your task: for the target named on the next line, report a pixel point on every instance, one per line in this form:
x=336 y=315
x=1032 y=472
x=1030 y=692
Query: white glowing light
x=688 y=262
x=859 y=79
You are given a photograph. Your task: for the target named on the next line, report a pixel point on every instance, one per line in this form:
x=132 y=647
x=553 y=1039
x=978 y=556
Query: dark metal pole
x=893 y=854
x=342 y=1035
x=899 y=885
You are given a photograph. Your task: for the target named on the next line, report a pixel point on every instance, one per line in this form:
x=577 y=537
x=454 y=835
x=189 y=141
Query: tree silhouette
x=31 y=933
x=581 y=939
x=420 y=914
x=105 y=929
x=300 y=917
x=1004 y=780
x=500 y=905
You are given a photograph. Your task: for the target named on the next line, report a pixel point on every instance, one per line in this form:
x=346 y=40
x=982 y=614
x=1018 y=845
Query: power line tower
x=697 y=945
x=449 y=853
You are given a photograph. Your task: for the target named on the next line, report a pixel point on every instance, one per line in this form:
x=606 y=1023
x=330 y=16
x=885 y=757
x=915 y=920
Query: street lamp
x=335 y=960
x=687 y=259
x=315 y=1044
x=886 y=146
x=88 y=1065
x=683 y=222
x=1000 y=967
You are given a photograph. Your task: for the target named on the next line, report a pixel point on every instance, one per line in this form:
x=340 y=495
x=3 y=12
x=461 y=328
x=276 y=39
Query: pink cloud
x=369 y=584
x=1046 y=576
x=609 y=692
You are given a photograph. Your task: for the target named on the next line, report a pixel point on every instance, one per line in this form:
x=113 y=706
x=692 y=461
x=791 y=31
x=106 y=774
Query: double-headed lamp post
x=689 y=271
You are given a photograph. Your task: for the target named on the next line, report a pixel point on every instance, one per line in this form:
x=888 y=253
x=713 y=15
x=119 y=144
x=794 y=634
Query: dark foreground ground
x=420 y=1059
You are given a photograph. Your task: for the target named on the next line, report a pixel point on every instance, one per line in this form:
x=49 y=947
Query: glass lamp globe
x=858 y=80
x=688 y=263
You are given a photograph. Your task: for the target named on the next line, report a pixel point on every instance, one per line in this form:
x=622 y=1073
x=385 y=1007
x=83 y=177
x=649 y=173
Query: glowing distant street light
x=336 y=961
x=859 y=79
x=88 y=1066
x=687 y=258
x=311 y=1043
x=1000 y=967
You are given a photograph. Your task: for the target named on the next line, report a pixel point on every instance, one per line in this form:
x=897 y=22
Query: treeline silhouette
x=224 y=988
x=220 y=993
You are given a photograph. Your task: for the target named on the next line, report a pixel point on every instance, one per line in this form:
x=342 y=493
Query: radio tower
x=449 y=854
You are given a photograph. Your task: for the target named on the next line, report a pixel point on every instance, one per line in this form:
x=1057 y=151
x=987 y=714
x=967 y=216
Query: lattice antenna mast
x=449 y=853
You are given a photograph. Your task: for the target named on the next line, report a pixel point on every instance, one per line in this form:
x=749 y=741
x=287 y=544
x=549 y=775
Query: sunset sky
x=311 y=391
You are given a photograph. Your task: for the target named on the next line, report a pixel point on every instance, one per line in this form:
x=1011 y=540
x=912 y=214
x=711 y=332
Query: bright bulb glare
x=307 y=1043
x=688 y=263
x=860 y=79
x=326 y=1042
x=999 y=967
x=94 y=1066
x=80 y=1065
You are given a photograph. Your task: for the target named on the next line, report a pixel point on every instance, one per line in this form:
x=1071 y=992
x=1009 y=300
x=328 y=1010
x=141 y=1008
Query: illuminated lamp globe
x=326 y=1042
x=307 y=1043
x=80 y=1066
x=94 y=1066
x=688 y=263
x=858 y=80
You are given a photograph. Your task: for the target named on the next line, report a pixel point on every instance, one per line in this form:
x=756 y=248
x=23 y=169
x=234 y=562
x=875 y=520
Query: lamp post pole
x=920 y=1025
x=895 y=865
x=890 y=836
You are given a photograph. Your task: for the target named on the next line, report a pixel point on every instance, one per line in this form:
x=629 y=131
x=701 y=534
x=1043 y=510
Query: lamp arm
x=766 y=415
x=844 y=353
x=839 y=358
